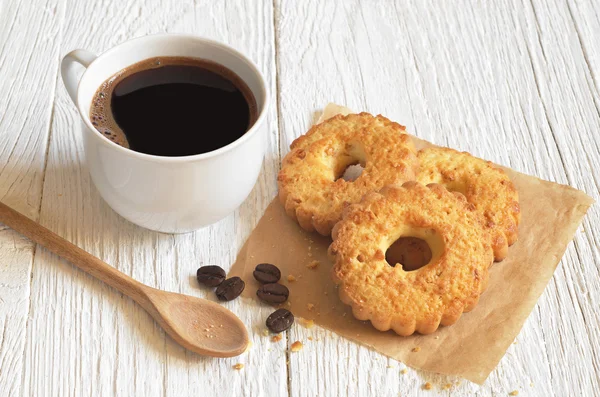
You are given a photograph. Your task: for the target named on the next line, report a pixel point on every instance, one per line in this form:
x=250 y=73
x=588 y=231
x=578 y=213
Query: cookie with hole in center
x=311 y=186
x=418 y=300
x=486 y=187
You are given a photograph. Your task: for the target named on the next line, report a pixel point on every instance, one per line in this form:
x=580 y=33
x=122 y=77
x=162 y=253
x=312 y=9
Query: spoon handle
x=78 y=257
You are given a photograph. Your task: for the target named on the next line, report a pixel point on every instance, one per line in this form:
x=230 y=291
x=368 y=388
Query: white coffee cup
x=168 y=194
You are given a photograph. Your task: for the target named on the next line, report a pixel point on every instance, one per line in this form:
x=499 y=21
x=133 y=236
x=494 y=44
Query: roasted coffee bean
x=280 y=320
x=267 y=273
x=211 y=276
x=230 y=289
x=273 y=293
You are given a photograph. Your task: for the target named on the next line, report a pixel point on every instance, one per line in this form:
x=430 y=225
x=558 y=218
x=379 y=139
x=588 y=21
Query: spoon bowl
x=199 y=325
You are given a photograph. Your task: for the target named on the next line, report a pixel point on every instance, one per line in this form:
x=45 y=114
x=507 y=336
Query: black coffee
x=173 y=106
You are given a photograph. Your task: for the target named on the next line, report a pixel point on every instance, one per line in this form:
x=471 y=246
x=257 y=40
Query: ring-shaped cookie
x=486 y=187
x=422 y=299
x=310 y=184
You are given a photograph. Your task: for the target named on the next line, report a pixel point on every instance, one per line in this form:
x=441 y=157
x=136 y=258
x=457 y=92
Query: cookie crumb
x=313 y=264
x=310 y=306
x=310 y=338
x=416 y=349
x=390 y=366
x=250 y=344
x=307 y=323
x=404 y=370
x=238 y=366
x=296 y=346
x=427 y=386
x=276 y=338
x=265 y=332
x=514 y=393
x=291 y=278
x=447 y=386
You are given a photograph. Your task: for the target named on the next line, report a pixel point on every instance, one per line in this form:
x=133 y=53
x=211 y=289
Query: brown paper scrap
x=551 y=214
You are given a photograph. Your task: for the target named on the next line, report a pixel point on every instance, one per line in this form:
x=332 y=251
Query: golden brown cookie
x=310 y=183
x=422 y=299
x=486 y=187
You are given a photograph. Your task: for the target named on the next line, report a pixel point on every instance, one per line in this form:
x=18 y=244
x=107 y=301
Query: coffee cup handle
x=71 y=70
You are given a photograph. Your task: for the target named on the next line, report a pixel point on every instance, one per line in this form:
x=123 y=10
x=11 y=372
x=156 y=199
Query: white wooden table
x=514 y=82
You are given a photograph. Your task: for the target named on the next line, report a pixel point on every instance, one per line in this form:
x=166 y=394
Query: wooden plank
x=83 y=337
x=466 y=77
x=567 y=86
x=29 y=37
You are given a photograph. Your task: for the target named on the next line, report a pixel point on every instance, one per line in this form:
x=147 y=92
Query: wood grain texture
x=512 y=81
x=29 y=36
x=466 y=77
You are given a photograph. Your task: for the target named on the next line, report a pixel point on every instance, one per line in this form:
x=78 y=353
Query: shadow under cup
x=173 y=194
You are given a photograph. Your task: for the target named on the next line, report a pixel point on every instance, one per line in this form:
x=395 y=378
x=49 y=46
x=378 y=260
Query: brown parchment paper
x=551 y=213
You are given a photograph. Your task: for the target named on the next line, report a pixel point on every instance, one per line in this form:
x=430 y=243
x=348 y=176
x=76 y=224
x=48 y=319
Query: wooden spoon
x=197 y=324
